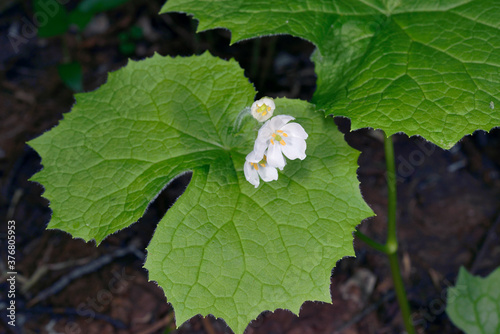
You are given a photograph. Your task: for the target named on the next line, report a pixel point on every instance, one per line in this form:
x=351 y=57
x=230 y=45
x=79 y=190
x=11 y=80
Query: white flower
x=276 y=138
x=263 y=109
x=260 y=168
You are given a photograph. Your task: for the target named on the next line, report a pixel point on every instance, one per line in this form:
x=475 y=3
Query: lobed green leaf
x=225 y=247
x=429 y=68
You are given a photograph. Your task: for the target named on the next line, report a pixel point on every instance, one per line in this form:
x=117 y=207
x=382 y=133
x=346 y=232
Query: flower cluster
x=277 y=137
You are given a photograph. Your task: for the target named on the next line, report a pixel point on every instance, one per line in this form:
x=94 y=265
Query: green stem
x=196 y=36
x=370 y=242
x=392 y=241
x=268 y=60
x=254 y=67
x=401 y=293
x=391 y=244
x=390 y=248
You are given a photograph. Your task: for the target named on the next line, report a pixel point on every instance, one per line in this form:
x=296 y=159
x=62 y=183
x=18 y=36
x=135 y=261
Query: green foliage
x=59 y=19
x=55 y=16
x=87 y=9
x=129 y=38
x=97 y=6
x=224 y=248
x=428 y=68
x=474 y=303
x=79 y=18
x=71 y=74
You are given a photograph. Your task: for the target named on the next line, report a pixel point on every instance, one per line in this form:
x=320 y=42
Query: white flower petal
x=275 y=157
x=277 y=122
x=268 y=173
x=265 y=132
x=295 y=130
x=259 y=149
x=251 y=174
x=258 y=153
x=275 y=140
x=295 y=148
x=263 y=114
x=268 y=101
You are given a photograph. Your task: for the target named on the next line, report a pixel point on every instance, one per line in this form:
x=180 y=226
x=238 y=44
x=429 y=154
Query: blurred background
x=448 y=201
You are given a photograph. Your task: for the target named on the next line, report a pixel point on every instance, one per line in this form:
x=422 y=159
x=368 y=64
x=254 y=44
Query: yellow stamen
x=273 y=135
x=254 y=165
x=285 y=135
x=279 y=131
x=272 y=141
x=262 y=109
x=282 y=142
x=263 y=165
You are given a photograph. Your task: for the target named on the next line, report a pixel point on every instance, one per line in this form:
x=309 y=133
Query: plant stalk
x=390 y=162
x=391 y=244
x=390 y=248
x=370 y=242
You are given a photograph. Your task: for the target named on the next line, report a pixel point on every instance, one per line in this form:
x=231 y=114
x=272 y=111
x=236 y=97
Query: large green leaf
x=473 y=304
x=429 y=68
x=225 y=247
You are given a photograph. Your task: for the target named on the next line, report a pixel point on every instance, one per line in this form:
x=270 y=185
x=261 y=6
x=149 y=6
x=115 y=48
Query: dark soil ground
x=448 y=201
